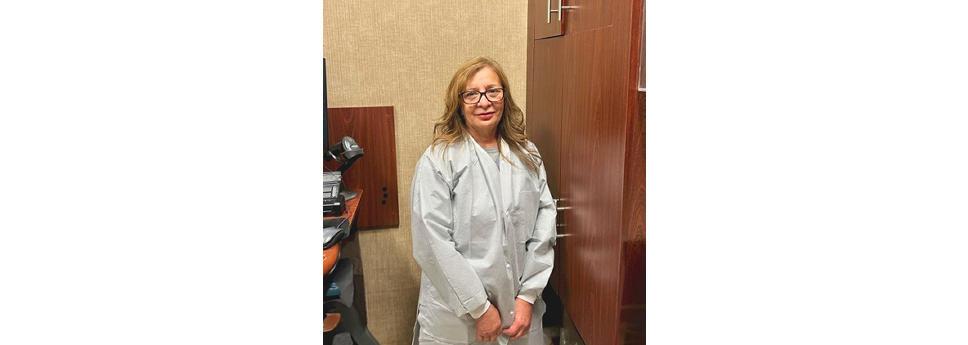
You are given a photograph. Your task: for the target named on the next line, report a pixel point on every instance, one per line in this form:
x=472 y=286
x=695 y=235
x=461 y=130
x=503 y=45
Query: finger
x=514 y=329
x=517 y=326
x=489 y=337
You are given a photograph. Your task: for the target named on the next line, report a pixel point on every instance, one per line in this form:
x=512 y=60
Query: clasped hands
x=489 y=324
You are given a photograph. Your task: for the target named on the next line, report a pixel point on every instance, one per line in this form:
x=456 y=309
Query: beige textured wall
x=403 y=53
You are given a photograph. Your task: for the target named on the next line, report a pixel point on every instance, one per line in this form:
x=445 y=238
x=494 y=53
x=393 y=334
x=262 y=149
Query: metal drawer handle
x=559 y=201
x=559 y=10
x=562 y=235
x=548 y=17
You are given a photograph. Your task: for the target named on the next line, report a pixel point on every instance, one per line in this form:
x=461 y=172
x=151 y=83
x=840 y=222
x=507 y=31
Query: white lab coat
x=482 y=235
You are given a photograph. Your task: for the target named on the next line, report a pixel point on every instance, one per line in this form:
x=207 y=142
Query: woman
x=483 y=219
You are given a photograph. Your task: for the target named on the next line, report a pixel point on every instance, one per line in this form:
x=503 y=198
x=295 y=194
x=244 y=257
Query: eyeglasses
x=474 y=97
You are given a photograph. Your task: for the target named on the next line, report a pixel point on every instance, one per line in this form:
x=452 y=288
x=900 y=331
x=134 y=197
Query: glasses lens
x=495 y=95
x=471 y=97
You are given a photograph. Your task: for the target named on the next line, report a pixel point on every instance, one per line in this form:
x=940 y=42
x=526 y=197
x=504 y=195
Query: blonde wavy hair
x=451 y=126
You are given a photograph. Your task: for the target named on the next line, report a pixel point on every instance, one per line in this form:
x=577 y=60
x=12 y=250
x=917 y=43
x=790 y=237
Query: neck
x=486 y=140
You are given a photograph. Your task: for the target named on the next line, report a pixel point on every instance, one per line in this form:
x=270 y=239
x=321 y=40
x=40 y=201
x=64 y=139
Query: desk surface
x=351 y=206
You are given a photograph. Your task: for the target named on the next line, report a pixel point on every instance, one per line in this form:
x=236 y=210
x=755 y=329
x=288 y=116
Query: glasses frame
x=481 y=95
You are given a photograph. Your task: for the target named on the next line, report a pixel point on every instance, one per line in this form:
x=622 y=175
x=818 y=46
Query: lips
x=485 y=116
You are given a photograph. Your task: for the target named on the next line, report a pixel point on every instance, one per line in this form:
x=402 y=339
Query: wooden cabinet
x=587 y=118
x=543 y=19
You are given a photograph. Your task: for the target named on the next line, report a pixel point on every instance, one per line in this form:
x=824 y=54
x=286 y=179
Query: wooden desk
x=350 y=249
x=352 y=206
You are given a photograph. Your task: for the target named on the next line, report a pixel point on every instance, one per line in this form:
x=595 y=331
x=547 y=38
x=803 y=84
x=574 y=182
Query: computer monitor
x=326 y=137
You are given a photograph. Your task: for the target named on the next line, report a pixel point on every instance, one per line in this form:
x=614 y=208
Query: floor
x=558 y=329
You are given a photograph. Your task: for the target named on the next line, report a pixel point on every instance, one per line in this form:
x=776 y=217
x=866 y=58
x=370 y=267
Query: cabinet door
x=578 y=102
x=550 y=18
x=592 y=181
x=585 y=15
x=574 y=117
x=543 y=18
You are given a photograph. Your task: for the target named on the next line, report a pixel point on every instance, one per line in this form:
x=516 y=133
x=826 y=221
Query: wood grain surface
x=632 y=317
x=376 y=171
x=583 y=100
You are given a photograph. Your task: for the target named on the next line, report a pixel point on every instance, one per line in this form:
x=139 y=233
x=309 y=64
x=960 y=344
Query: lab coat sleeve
x=540 y=255
x=434 y=248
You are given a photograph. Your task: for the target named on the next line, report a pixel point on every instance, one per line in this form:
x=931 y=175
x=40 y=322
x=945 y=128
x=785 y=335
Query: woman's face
x=482 y=117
